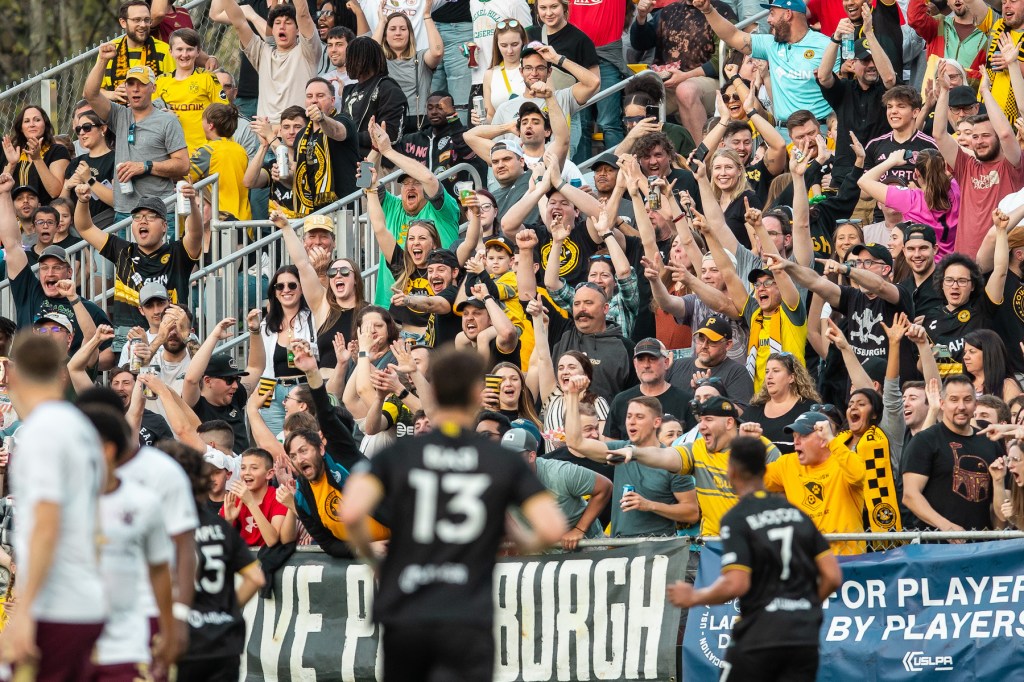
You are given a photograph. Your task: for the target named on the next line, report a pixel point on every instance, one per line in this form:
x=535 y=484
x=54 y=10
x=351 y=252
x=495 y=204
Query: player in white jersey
x=135 y=548
x=56 y=478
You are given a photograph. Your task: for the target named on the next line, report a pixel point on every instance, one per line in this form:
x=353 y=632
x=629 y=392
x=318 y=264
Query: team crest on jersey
x=963 y=316
x=809 y=54
x=193 y=88
x=815 y=493
x=331 y=504
x=569 y=257
x=165 y=258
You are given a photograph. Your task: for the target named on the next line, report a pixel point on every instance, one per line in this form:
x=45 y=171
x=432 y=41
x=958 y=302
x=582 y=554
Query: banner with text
x=914 y=613
x=599 y=615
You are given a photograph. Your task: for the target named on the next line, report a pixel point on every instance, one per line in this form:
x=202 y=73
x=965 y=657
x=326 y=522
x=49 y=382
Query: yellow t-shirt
x=829 y=493
x=508 y=289
x=999 y=81
x=784 y=331
x=715 y=495
x=227 y=157
x=188 y=99
x=327 y=498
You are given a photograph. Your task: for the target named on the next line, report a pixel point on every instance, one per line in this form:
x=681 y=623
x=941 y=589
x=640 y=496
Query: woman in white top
x=503 y=81
x=412 y=69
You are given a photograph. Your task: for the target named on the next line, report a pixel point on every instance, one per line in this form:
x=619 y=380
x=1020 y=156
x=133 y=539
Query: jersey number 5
x=465 y=489
x=784 y=535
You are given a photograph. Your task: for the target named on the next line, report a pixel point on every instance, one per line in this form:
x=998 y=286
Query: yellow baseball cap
x=318 y=222
x=141 y=73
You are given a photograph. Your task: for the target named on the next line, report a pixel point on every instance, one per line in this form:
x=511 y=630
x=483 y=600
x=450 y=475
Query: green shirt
x=569 y=482
x=442 y=209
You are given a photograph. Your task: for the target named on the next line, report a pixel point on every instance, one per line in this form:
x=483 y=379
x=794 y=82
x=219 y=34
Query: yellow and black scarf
x=25 y=164
x=313 y=184
x=117 y=68
x=881 y=501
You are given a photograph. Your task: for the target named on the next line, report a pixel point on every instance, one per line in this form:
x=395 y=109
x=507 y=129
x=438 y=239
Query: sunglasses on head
x=849 y=221
x=84 y=128
x=589 y=285
x=508 y=23
x=714 y=382
x=601 y=256
x=291 y=286
x=334 y=272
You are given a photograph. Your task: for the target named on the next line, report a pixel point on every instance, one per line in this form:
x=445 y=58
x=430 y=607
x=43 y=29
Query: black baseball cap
x=861 y=50
x=716 y=328
x=606 y=159
x=222 y=366
x=758 y=273
x=154 y=204
x=443 y=257
x=472 y=301
x=24 y=188
x=804 y=424
x=919 y=231
x=716 y=406
x=650 y=346
x=879 y=251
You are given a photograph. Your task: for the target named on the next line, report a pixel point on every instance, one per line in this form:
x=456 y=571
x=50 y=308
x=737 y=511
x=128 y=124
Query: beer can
x=576 y=182
x=136 y=360
x=284 y=168
x=126 y=187
x=653 y=196
x=478 y=107
x=146 y=391
x=183 y=205
x=628 y=489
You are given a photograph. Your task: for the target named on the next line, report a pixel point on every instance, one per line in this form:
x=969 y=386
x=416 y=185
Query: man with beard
x=439 y=145
x=659 y=499
x=919 y=251
x=651 y=362
x=486 y=328
x=136 y=48
x=710 y=361
x=444 y=275
x=26 y=203
x=794 y=67
x=154 y=427
x=992 y=172
x=884 y=17
x=325 y=152
x=537 y=130
x=953 y=36
x=337 y=40
x=945 y=481
x=857 y=101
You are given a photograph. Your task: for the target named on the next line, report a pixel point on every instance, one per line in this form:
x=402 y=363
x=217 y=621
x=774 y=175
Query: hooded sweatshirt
x=610 y=354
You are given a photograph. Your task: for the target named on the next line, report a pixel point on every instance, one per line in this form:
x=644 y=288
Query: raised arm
x=507 y=335
x=886 y=72
x=385 y=240
x=588 y=447
x=803 y=244
x=96 y=237
x=517 y=212
x=871 y=181
x=940 y=126
x=809 y=279
x=92 y=93
x=432 y=58
x=312 y=289
x=824 y=74
x=79 y=363
x=197 y=366
x=1001 y=258
x=526 y=242
x=735 y=38
x=587 y=81
x=306 y=22
x=735 y=287
x=858 y=375
x=714 y=217
x=542 y=367
x=414 y=169
x=236 y=17
x=10 y=233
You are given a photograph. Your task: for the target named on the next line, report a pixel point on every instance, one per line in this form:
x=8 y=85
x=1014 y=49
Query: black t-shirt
x=866 y=316
x=674 y=401
x=154 y=428
x=576 y=252
x=1009 y=320
x=959 y=486
x=760 y=179
x=778 y=545
x=498 y=356
x=248 y=78
x=735 y=376
x=859 y=111
x=774 y=428
x=102 y=170
x=447 y=495
x=928 y=301
x=444 y=328
x=735 y=212
x=30 y=302
x=233 y=413
x=571 y=43
x=170 y=265
x=321 y=180
x=25 y=172
x=281 y=193
x=220 y=554
x=950 y=326
x=417 y=285
x=879 y=149
x=451 y=12
x=325 y=340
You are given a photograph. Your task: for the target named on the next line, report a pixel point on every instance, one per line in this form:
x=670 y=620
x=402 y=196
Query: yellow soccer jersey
x=508 y=288
x=227 y=157
x=188 y=99
x=830 y=493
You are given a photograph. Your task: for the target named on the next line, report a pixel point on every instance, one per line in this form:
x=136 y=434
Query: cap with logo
x=154 y=204
x=318 y=222
x=54 y=251
x=879 y=251
x=527 y=108
x=715 y=328
x=919 y=231
x=862 y=50
x=519 y=440
x=222 y=366
x=141 y=73
x=152 y=290
x=792 y=5
x=508 y=145
x=962 y=96
x=500 y=241
x=716 y=406
x=804 y=424
x=57 y=318
x=650 y=346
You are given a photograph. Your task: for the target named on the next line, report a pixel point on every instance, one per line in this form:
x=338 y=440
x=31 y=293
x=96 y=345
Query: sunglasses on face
x=229 y=380
x=324 y=13
x=731 y=98
x=633 y=120
x=334 y=272
x=84 y=128
x=823 y=407
x=508 y=23
x=291 y=286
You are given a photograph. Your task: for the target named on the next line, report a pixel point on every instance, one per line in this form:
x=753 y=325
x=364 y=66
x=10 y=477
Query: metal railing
x=722 y=47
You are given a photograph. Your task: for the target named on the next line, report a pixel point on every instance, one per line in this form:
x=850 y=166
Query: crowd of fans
x=818 y=247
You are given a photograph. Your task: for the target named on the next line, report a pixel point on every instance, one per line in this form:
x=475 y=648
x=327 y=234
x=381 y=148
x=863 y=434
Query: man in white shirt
x=61 y=604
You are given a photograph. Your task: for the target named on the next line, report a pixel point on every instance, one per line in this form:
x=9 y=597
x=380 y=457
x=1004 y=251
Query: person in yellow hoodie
x=190 y=88
x=823 y=478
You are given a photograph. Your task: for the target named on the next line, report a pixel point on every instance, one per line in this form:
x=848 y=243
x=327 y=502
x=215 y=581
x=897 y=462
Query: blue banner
x=920 y=612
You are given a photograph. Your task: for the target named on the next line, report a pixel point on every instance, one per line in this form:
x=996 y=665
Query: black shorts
x=438 y=652
x=778 y=664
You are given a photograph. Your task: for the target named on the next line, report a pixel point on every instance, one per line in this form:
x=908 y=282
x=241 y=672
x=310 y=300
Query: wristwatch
x=149 y=167
x=91 y=181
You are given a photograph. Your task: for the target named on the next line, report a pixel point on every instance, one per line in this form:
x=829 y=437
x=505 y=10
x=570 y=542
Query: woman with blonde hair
x=412 y=69
x=1008 y=505
x=787 y=392
x=503 y=80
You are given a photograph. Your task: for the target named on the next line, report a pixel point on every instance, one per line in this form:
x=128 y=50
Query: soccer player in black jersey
x=447 y=492
x=779 y=566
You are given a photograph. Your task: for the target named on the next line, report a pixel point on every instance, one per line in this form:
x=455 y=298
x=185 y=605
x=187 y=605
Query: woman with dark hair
x=95 y=166
x=289 y=318
x=412 y=69
x=787 y=392
x=552 y=386
x=346 y=295
x=985 y=362
x=513 y=397
x=33 y=156
x=640 y=94
x=1008 y=505
x=374 y=95
x=969 y=303
x=374 y=331
x=935 y=201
